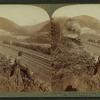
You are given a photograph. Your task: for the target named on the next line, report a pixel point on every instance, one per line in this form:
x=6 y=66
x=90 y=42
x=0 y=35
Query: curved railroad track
x=37 y=62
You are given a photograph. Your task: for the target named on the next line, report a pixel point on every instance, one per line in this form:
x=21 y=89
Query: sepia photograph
x=49 y=47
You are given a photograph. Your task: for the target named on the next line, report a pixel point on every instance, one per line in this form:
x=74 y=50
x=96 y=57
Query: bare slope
x=39 y=33
x=36 y=33
x=10 y=26
x=88 y=21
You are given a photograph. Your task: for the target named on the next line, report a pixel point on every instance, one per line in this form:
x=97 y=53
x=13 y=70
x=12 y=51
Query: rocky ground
x=19 y=79
x=74 y=68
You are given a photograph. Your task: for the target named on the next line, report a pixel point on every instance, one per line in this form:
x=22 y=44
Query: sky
x=31 y=15
x=23 y=14
x=79 y=9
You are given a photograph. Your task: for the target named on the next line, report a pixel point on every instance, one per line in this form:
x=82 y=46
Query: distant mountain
x=10 y=26
x=88 y=21
x=39 y=33
x=93 y=24
x=33 y=32
x=38 y=28
x=83 y=20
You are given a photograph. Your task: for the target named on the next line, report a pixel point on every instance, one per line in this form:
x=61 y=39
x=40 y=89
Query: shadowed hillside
x=39 y=33
x=83 y=20
x=10 y=26
x=36 y=33
x=89 y=21
x=38 y=28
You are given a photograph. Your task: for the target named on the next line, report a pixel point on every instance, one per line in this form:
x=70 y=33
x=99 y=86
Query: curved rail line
x=37 y=62
x=92 y=48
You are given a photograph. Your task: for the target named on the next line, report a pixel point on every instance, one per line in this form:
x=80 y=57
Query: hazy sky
x=30 y=15
x=23 y=14
x=76 y=10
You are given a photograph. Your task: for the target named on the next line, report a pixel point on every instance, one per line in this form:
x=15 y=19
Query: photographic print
x=49 y=48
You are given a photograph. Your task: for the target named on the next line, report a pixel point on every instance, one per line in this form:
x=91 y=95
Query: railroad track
x=92 y=48
x=35 y=61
